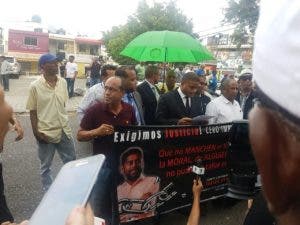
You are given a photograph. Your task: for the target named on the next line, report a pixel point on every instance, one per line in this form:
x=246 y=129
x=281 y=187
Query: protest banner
x=154 y=167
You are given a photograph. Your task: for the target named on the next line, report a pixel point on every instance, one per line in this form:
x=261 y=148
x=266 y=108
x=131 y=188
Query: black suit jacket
x=248 y=104
x=170 y=108
x=149 y=102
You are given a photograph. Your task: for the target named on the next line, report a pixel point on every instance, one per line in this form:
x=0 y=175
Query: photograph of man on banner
x=137 y=193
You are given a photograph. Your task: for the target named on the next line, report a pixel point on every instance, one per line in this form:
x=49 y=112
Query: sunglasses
x=246 y=78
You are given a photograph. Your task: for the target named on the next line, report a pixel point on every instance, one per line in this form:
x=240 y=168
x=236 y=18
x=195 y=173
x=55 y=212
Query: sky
x=94 y=16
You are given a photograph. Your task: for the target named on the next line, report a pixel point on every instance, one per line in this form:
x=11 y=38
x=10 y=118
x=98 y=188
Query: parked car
x=15 y=67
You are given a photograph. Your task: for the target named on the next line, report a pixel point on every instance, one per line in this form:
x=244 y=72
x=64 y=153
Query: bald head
x=229 y=88
x=114 y=91
x=116 y=82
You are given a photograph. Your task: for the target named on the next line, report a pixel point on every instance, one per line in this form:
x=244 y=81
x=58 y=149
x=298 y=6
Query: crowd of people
x=118 y=100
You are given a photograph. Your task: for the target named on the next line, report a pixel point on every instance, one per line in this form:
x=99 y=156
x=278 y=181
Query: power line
x=221 y=26
x=220 y=31
x=216 y=27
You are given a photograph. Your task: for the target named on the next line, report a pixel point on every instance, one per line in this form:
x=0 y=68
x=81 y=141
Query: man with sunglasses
x=246 y=94
x=202 y=93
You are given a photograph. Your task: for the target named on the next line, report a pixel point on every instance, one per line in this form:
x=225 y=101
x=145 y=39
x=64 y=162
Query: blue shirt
x=128 y=98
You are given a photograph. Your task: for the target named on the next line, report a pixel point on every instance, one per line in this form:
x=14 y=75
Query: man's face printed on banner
x=132 y=167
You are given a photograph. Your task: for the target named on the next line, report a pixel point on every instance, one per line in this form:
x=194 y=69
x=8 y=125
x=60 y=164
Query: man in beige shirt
x=49 y=120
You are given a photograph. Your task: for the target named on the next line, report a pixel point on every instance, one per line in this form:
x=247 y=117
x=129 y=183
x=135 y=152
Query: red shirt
x=99 y=114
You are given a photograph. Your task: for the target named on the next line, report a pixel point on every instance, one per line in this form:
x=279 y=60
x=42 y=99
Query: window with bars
x=61 y=46
x=30 y=41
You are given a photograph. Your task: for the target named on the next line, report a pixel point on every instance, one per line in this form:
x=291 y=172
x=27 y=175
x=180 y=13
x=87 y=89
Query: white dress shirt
x=223 y=110
x=93 y=95
x=183 y=97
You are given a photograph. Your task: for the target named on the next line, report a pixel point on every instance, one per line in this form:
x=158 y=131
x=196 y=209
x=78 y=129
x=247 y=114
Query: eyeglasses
x=107 y=88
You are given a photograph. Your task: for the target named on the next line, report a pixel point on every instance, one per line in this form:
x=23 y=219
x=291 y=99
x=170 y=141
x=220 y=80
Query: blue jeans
x=46 y=151
x=5 y=82
x=5 y=214
x=70 y=86
x=94 y=81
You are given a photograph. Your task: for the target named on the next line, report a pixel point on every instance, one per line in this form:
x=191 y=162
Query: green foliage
x=244 y=14
x=160 y=16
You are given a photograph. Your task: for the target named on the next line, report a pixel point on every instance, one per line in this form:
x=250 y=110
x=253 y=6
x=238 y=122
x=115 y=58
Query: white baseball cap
x=276 y=57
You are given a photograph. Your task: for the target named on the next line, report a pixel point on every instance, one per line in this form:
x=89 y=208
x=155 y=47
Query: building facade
x=27 y=47
x=27 y=41
x=228 y=54
x=82 y=48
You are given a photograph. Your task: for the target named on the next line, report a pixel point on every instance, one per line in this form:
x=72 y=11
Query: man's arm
x=6 y=113
x=34 y=123
x=162 y=112
x=101 y=131
x=17 y=127
x=194 y=217
x=211 y=110
x=75 y=74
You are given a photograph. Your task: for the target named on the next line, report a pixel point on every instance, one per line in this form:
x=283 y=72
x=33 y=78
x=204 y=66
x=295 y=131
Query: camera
x=244 y=179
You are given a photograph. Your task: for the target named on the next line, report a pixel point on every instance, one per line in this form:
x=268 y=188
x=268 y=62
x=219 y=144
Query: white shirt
x=183 y=97
x=71 y=68
x=93 y=95
x=223 y=110
x=5 y=67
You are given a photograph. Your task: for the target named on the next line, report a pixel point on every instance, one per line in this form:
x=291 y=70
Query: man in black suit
x=132 y=97
x=246 y=95
x=179 y=106
x=150 y=93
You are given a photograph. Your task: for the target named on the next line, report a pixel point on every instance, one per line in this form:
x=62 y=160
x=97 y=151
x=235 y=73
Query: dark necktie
x=187 y=106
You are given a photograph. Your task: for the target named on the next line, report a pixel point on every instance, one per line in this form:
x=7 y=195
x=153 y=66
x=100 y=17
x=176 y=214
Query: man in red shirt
x=99 y=121
x=98 y=125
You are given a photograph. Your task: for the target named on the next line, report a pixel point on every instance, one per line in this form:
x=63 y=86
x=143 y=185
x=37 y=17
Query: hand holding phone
x=72 y=187
x=81 y=216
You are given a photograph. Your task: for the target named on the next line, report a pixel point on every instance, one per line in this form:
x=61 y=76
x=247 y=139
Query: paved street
x=21 y=168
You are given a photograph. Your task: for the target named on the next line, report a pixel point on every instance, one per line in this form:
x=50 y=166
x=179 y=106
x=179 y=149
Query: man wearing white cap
x=275 y=121
x=246 y=94
x=225 y=108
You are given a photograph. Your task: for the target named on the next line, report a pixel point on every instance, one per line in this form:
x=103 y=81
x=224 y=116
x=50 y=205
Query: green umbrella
x=166 y=46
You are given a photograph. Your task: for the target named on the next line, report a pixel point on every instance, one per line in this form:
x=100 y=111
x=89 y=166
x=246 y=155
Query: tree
x=244 y=14
x=61 y=31
x=161 y=16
